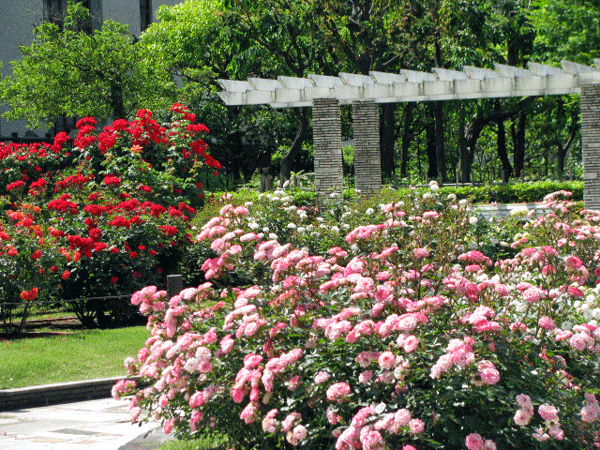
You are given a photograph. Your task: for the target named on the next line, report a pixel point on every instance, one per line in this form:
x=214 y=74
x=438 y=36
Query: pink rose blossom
x=134 y=413
x=406 y=323
x=248 y=414
x=562 y=335
x=402 y=417
x=386 y=360
x=579 y=341
x=332 y=417
x=548 y=412
x=420 y=253
x=294 y=382
x=522 y=417
x=590 y=413
x=338 y=391
x=371 y=439
x=532 y=294
x=321 y=377
x=238 y=395
x=488 y=444
x=269 y=423
x=556 y=432
x=289 y=421
x=490 y=376
x=474 y=441
x=547 y=323
x=299 y=432
x=575 y=291
x=168 y=426
x=524 y=401
x=540 y=436
x=410 y=343
x=365 y=376
x=416 y=426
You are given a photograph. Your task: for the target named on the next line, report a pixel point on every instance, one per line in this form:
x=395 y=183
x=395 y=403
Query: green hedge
x=528 y=192
x=515 y=192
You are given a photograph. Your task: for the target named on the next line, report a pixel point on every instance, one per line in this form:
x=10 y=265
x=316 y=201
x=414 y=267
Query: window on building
x=87 y=25
x=145 y=14
x=55 y=10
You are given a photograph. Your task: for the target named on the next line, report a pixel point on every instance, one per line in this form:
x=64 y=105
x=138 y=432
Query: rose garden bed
x=411 y=324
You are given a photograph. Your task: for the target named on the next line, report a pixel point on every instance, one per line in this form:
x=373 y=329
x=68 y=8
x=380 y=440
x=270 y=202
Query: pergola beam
x=413 y=86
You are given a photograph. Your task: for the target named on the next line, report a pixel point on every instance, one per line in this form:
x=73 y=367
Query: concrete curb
x=505 y=209
x=53 y=394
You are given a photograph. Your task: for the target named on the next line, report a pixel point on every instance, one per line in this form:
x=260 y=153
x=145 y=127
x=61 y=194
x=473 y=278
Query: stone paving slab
x=89 y=425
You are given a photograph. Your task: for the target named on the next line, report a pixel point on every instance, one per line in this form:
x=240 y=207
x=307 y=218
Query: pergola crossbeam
x=413 y=86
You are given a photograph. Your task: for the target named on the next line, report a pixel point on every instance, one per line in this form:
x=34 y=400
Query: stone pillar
x=590 y=144
x=327 y=141
x=367 y=154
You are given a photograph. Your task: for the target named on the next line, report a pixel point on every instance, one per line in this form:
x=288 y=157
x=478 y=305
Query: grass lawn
x=81 y=355
x=195 y=444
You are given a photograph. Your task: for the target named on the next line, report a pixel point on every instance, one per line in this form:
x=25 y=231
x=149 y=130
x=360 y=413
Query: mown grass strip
x=202 y=443
x=81 y=355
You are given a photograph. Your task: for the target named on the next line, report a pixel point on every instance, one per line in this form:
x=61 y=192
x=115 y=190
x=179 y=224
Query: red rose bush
x=104 y=217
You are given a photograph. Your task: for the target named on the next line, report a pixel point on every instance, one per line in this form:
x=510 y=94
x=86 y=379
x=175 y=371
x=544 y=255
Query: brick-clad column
x=590 y=144
x=327 y=142
x=367 y=155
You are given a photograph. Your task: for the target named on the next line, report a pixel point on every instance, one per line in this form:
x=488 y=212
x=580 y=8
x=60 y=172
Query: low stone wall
x=52 y=394
x=505 y=209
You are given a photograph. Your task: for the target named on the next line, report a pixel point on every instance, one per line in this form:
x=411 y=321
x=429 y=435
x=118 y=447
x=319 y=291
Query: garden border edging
x=52 y=394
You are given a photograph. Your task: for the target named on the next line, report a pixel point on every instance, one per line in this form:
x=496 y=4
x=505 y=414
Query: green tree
x=238 y=40
x=566 y=29
x=66 y=71
x=208 y=39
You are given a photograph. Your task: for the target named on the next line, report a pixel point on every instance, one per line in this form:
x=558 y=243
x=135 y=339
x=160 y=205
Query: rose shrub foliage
x=402 y=336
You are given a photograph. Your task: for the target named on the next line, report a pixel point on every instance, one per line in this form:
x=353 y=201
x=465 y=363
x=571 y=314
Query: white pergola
x=326 y=93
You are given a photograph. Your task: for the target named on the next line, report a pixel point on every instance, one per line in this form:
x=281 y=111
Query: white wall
x=17 y=19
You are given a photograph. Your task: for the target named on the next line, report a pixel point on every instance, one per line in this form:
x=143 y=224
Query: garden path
x=90 y=425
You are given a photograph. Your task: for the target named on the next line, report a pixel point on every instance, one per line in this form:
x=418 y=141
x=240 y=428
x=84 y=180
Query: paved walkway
x=91 y=425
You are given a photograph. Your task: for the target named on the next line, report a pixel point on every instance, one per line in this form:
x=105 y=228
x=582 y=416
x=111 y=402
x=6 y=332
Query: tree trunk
x=439 y=141
x=288 y=159
x=564 y=149
x=387 y=138
x=432 y=171
x=116 y=101
x=562 y=153
x=519 y=146
x=235 y=161
x=406 y=138
x=502 y=152
x=472 y=133
x=462 y=148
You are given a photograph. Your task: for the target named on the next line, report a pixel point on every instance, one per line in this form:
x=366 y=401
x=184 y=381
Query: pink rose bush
x=371 y=344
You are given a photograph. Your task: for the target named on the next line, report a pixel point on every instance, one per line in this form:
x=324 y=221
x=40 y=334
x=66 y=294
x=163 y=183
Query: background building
x=18 y=18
